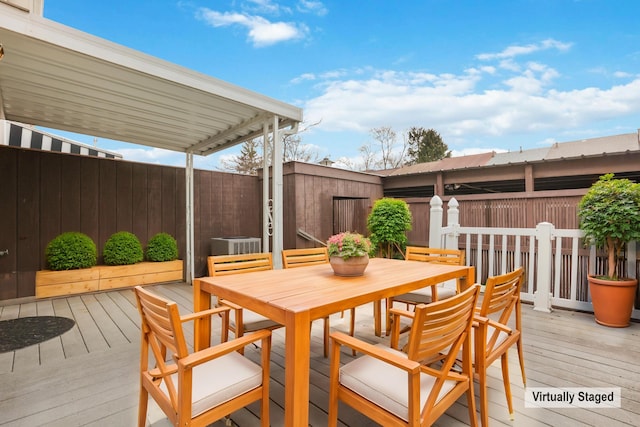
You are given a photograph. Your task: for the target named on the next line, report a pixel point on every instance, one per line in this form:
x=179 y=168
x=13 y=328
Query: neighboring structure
x=514 y=189
x=562 y=166
x=25 y=136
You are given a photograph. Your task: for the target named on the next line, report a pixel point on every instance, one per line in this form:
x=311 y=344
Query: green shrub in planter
x=388 y=223
x=71 y=250
x=162 y=247
x=122 y=248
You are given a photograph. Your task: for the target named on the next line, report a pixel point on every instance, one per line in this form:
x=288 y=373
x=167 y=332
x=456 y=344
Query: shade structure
x=55 y=76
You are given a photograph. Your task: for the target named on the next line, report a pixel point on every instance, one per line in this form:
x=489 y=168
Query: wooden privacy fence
x=555 y=260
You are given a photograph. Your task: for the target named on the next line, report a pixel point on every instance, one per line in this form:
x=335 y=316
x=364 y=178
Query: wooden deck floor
x=88 y=376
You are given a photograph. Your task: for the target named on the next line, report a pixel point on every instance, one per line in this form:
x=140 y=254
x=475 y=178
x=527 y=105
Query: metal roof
x=593 y=147
x=58 y=77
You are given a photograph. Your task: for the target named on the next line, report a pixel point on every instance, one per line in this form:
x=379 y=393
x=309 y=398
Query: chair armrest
x=477 y=320
x=408 y=365
x=400 y=312
x=500 y=326
x=203 y=356
x=204 y=313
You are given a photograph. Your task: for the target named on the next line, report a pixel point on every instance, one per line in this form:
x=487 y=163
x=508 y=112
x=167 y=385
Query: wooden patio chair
x=241 y=320
x=430 y=293
x=492 y=336
x=397 y=389
x=197 y=388
x=293 y=258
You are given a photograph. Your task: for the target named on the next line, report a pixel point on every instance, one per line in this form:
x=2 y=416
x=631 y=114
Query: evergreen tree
x=425 y=146
x=248 y=161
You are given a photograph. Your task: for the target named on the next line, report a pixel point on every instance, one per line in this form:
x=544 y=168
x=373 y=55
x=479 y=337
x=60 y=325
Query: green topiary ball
x=162 y=247
x=71 y=250
x=122 y=248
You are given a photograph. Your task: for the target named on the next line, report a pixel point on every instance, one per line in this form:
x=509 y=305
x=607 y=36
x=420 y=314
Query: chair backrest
x=292 y=258
x=502 y=296
x=220 y=265
x=442 y=327
x=161 y=331
x=440 y=256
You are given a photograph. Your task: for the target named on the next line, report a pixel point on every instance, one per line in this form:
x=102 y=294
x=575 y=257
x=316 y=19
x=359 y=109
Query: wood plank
x=90 y=199
x=129 y=327
x=9 y=222
x=109 y=330
x=90 y=331
x=124 y=200
x=70 y=196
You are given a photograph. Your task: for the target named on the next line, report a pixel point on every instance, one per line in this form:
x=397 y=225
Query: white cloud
x=467 y=105
x=315 y=7
x=261 y=31
x=515 y=50
x=622 y=74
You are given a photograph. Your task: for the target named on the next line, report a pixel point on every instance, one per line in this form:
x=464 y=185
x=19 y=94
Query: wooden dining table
x=295 y=297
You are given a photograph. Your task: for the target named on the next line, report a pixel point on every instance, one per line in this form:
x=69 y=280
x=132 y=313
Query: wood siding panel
x=70 y=190
x=168 y=200
x=180 y=226
x=50 y=194
x=524 y=211
x=203 y=220
x=154 y=199
x=8 y=223
x=139 y=211
x=124 y=196
x=107 y=205
x=29 y=219
x=90 y=198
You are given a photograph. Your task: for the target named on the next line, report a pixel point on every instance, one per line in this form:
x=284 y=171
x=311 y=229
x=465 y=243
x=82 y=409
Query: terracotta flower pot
x=353 y=266
x=612 y=300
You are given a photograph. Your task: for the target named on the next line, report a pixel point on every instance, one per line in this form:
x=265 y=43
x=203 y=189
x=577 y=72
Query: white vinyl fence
x=555 y=260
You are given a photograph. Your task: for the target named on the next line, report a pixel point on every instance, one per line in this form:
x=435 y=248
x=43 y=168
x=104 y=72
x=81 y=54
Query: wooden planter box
x=55 y=283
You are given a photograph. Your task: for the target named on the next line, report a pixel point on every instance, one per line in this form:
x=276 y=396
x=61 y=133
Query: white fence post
x=435 y=222
x=453 y=223
x=542 y=295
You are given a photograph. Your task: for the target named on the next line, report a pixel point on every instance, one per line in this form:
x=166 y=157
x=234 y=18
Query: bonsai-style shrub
x=122 y=248
x=71 y=250
x=162 y=247
x=610 y=217
x=388 y=223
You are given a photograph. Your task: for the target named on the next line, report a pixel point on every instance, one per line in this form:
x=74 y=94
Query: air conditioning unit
x=235 y=245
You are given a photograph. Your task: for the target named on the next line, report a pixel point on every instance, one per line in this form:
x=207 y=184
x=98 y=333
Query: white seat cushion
x=423 y=295
x=252 y=321
x=386 y=385
x=220 y=380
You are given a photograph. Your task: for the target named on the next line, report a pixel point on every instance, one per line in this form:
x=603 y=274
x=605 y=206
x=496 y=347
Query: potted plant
x=348 y=253
x=610 y=218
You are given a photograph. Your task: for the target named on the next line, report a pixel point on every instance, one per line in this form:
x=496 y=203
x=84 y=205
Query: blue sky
x=487 y=75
